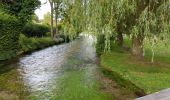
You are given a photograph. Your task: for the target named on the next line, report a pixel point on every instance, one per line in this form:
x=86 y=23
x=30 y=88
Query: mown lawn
x=151 y=77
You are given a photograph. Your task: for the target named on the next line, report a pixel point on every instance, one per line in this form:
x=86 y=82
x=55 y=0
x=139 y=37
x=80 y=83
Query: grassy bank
x=11 y=85
x=30 y=44
x=139 y=74
x=27 y=45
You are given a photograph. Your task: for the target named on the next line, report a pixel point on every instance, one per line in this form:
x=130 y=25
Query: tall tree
x=140 y=18
x=148 y=14
x=57 y=9
x=14 y=14
x=21 y=9
x=73 y=17
x=52 y=17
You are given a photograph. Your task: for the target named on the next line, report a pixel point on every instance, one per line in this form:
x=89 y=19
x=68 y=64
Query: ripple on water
x=42 y=70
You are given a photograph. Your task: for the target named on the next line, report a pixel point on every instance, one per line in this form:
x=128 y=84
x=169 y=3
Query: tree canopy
x=140 y=19
x=21 y=9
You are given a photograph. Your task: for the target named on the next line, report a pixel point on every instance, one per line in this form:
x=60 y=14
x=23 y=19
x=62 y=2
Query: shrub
x=35 y=30
x=29 y=44
x=9 y=33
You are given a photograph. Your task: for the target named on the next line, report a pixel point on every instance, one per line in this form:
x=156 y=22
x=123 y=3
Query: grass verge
x=138 y=75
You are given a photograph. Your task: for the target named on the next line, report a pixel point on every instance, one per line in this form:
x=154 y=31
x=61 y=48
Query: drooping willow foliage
x=73 y=17
x=141 y=19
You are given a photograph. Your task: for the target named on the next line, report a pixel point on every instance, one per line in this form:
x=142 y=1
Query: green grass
x=11 y=85
x=151 y=77
x=162 y=52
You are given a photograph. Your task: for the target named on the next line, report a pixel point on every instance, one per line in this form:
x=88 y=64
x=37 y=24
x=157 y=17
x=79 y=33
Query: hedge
x=35 y=30
x=9 y=34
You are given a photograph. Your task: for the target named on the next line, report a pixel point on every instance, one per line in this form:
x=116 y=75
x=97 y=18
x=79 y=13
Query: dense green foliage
x=73 y=12
x=22 y=9
x=30 y=44
x=13 y=16
x=141 y=19
x=35 y=30
x=100 y=44
x=9 y=32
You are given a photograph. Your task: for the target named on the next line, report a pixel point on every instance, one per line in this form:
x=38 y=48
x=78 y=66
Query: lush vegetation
x=19 y=29
x=10 y=86
x=13 y=16
x=146 y=23
x=35 y=30
x=8 y=36
x=140 y=19
x=151 y=77
x=22 y=10
x=30 y=44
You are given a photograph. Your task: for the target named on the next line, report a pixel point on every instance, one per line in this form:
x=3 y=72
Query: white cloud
x=43 y=9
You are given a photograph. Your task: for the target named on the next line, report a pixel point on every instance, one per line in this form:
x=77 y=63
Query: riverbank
x=11 y=85
x=139 y=75
x=65 y=71
x=27 y=45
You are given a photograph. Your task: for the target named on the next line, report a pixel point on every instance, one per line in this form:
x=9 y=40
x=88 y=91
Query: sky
x=43 y=9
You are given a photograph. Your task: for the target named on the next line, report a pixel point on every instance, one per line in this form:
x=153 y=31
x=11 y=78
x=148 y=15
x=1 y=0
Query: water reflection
x=40 y=71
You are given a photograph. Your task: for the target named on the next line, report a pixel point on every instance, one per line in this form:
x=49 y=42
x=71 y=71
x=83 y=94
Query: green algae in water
x=80 y=86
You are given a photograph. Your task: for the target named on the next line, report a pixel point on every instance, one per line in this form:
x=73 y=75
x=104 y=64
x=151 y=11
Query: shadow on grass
x=123 y=82
x=8 y=65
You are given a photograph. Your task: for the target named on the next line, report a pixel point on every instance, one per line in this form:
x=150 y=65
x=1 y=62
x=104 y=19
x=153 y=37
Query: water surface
x=62 y=72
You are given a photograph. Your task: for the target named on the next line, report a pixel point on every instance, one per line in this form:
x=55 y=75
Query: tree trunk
x=52 y=12
x=137 y=46
x=120 y=39
x=56 y=19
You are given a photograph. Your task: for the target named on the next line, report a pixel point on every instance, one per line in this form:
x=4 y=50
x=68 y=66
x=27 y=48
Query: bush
x=29 y=44
x=9 y=33
x=35 y=30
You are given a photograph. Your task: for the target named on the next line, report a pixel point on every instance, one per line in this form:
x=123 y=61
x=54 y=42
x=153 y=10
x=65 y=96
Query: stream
x=61 y=72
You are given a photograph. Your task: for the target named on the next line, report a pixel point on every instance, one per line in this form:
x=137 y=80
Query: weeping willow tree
x=73 y=18
x=141 y=19
x=110 y=19
x=102 y=21
x=150 y=18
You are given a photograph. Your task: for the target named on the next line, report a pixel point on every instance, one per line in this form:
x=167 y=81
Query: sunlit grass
x=151 y=77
